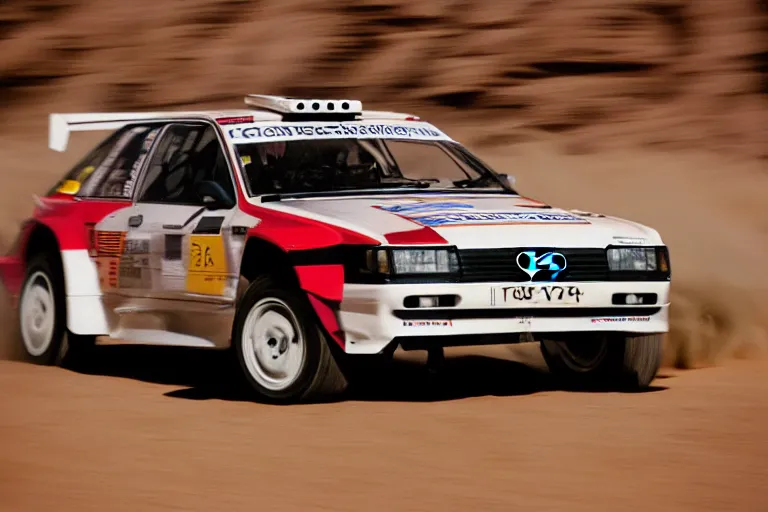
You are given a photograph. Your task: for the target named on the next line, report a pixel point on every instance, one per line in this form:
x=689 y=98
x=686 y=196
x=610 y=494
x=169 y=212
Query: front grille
x=490 y=265
x=583 y=264
x=480 y=265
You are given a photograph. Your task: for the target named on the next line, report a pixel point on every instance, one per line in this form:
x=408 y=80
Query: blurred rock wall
x=592 y=73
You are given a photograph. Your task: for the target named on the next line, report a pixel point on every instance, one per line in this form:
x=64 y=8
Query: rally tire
x=42 y=317
x=281 y=353
x=641 y=361
x=41 y=312
x=607 y=361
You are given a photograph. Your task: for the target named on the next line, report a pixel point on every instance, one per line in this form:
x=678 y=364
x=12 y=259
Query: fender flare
x=82 y=291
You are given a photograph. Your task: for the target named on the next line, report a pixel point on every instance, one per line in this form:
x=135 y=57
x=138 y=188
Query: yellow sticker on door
x=207 y=273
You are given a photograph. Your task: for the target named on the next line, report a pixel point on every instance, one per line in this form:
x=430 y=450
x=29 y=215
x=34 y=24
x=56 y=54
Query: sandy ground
x=155 y=432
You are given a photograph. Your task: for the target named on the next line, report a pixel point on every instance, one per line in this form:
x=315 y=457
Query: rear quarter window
x=111 y=170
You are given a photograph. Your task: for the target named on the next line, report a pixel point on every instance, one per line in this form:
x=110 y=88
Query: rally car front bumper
x=450 y=314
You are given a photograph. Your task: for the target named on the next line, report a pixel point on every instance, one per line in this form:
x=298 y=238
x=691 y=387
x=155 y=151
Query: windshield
x=335 y=165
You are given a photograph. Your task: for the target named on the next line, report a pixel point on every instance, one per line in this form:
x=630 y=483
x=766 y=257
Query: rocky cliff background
x=599 y=73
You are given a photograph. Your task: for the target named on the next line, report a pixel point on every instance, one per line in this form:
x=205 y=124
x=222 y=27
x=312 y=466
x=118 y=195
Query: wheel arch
x=78 y=274
x=289 y=235
x=263 y=257
x=323 y=284
x=42 y=239
x=28 y=241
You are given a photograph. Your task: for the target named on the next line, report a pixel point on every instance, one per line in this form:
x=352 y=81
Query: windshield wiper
x=407 y=182
x=429 y=180
x=480 y=181
x=343 y=190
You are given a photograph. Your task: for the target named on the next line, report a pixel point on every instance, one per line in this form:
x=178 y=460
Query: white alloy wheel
x=273 y=346
x=37 y=312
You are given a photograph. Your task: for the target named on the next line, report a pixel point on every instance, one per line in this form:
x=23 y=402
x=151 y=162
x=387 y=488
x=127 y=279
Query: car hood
x=469 y=221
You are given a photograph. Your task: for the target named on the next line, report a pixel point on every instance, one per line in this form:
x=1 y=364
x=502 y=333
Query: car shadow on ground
x=211 y=375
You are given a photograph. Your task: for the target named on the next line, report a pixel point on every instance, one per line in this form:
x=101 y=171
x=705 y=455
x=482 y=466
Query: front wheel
x=595 y=360
x=282 y=354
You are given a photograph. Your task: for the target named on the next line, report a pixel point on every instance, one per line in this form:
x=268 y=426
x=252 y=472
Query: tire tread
x=630 y=365
x=328 y=381
x=642 y=359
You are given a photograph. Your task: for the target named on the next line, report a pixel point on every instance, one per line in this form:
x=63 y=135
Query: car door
x=105 y=181
x=180 y=264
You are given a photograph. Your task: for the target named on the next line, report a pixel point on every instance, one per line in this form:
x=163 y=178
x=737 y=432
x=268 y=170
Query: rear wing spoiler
x=61 y=125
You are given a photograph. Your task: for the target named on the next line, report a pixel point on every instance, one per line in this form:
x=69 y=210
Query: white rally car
x=306 y=235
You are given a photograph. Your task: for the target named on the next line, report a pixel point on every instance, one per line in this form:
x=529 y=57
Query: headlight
x=424 y=261
x=633 y=258
x=413 y=261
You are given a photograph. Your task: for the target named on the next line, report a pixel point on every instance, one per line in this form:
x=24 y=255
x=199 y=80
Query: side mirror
x=214 y=197
x=509 y=180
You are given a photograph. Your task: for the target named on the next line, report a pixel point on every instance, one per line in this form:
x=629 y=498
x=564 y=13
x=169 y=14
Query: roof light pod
x=284 y=105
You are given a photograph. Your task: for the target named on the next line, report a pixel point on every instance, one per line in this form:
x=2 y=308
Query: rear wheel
x=42 y=317
x=595 y=360
x=282 y=354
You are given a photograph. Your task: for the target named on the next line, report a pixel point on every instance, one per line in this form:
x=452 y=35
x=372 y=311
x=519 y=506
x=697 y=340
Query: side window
x=186 y=156
x=71 y=183
x=110 y=171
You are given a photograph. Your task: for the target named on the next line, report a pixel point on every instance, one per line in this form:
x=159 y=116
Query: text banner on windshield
x=324 y=130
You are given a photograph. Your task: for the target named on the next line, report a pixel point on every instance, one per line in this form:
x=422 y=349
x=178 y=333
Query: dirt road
x=618 y=85
x=168 y=437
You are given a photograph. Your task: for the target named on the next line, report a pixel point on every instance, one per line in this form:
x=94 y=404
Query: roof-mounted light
x=298 y=106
